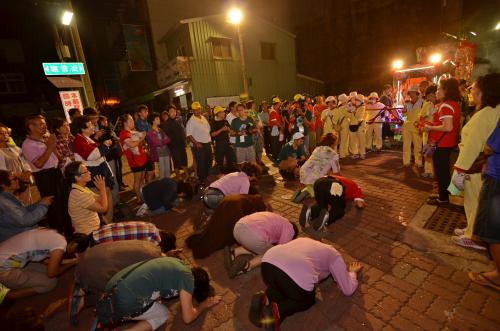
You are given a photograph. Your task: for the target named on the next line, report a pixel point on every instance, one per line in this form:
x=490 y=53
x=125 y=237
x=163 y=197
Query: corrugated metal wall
x=213 y=77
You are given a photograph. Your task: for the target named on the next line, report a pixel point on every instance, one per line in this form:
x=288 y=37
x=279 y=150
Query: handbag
x=354 y=127
x=429 y=148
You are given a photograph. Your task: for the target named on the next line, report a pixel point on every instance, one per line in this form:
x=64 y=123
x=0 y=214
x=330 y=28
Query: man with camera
x=301 y=119
x=243 y=128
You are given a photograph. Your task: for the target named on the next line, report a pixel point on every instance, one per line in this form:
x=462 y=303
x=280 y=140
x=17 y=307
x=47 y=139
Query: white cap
x=343 y=98
x=373 y=95
x=297 y=135
x=360 y=97
x=330 y=99
x=352 y=95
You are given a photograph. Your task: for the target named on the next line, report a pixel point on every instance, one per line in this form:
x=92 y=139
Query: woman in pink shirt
x=291 y=272
x=256 y=233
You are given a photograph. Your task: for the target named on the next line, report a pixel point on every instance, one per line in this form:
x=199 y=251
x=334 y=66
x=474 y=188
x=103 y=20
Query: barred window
x=221 y=48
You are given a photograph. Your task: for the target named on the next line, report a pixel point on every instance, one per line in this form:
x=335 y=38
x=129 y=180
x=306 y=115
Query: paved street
x=412 y=278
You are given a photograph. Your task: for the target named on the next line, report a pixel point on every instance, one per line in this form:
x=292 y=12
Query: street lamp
x=67 y=17
x=397 y=64
x=435 y=58
x=497 y=27
x=235 y=16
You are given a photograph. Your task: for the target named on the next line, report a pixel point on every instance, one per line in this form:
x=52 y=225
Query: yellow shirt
x=83 y=219
x=475 y=134
x=428 y=109
x=412 y=114
x=357 y=116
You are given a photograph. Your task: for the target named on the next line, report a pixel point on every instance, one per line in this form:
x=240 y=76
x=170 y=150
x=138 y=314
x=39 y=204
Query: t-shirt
x=175 y=132
x=216 y=126
x=271 y=227
x=275 y=118
x=136 y=156
x=245 y=125
x=299 y=124
x=288 y=151
x=493 y=164
x=229 y=118
x=233 y=183
x=30 y=246
x=199 y=129
x=100 y=263
x=318 y=110
x=161 y=277
x=83 y=219
x=448 y=109
x=142 y=125
x=352 y=189
x=307 y=262
x=33 y=149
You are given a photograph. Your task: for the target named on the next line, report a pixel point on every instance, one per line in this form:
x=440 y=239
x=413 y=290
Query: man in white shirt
x=198 y=135
x=20 y=257
x=233 y=113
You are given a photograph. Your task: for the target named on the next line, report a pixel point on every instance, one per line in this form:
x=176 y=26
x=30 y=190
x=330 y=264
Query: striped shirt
x=127 y=231
x=83 y=219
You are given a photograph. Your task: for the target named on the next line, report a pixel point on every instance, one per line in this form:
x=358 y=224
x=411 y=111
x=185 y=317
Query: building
x=203 y=60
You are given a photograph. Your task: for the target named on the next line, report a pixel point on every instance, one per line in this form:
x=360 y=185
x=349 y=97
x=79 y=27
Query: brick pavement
x=401 y=288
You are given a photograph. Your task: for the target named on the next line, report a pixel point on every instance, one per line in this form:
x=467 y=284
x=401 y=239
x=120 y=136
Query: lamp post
x=68 y=20
x=235 y=17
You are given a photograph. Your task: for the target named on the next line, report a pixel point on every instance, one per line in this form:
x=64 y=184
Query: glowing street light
x=397 y=64
x=497 y=27
x=67 y=17
x=235 y=16
x=473 y=33
x=435 y=58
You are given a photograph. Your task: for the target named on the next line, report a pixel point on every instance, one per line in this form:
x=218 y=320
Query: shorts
x=250 y=240
x=155 y=316
x=245 y=154
x=148 y=166
x=34 y=276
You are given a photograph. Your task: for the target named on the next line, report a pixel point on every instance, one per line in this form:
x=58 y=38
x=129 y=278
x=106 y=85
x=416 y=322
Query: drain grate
x=445 y=219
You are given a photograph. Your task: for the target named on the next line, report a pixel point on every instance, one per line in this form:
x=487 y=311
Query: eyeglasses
x=83 y=173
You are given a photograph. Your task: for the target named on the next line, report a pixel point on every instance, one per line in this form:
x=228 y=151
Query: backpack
x=105 y=306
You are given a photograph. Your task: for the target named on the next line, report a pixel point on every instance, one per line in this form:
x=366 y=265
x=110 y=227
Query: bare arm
x=56 y=265
x=446 y=126
x=189 y=312
x=101 y=203
x=51 y=148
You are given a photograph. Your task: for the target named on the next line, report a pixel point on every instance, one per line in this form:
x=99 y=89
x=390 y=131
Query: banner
x=70 y=99
x=136 y=42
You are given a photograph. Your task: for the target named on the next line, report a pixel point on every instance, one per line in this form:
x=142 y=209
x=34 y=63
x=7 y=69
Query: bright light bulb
x=497 y=27
x=67 y=17
x=234 y=16
x=397 y=64
x=435 y=58
x=473 y=33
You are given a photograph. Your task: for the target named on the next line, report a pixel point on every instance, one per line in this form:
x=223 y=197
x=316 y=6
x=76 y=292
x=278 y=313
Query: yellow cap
x=276 y=100
x=297 y=97
x=196 y=105
x=218 y=109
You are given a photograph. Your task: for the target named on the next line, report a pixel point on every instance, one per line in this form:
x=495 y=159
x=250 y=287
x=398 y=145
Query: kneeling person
x=256 y=233
x=135 y=293
x=21 y=255
x=291 y=157
x=291 y=272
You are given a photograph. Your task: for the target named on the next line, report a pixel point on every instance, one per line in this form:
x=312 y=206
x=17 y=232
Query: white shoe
x=466 y=242
x=459 y=232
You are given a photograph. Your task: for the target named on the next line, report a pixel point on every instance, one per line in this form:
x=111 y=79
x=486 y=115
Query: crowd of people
x=77 y=170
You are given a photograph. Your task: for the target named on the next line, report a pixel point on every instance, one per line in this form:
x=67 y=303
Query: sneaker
x=466 y=242
x=305 y=216
x=355 y=156
x=459 y=232
x=259 y=301
x=271 y=317
x=4 y=290
x=320 y=222
x=362 y=157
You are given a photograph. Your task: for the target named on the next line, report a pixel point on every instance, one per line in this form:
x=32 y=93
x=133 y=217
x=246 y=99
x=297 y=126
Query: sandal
x=240 y=266
x=481 y=279
x=228 y=257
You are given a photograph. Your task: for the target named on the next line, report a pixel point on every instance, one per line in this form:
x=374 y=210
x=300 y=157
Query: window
x=12 y=83
x=221 y=48
x=268 y=51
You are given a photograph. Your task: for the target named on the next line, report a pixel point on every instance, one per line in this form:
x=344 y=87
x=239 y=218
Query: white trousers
x=164 y=166
x=357 y=142
x=374 y=132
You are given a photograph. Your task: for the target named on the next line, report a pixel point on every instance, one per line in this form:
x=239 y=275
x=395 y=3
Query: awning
x=65 y=82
